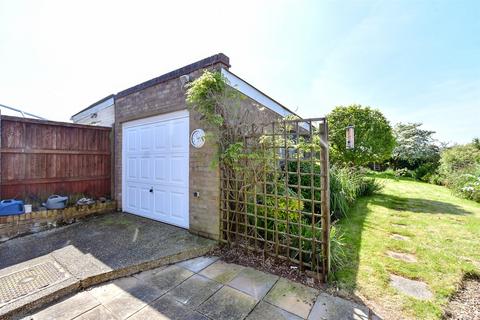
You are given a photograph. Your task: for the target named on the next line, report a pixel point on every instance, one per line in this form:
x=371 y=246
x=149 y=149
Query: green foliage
x=414 y=145
x=346 y=185
x=416 y=150
x=203 y=95
x=338 y=255
x=460 y=170
x=476 y=143
x=374 y=139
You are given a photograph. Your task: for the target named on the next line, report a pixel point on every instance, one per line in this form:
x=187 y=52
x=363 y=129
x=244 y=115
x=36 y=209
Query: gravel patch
x=465 y=304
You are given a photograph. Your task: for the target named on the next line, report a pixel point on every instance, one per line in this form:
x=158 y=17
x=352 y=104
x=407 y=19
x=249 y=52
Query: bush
x=460 y=171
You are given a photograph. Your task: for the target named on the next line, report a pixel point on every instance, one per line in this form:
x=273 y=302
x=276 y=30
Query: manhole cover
x=29 y=280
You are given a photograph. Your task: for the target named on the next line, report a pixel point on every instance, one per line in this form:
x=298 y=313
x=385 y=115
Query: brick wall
x=22 y=224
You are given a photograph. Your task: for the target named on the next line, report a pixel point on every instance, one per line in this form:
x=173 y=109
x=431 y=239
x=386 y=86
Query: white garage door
x=155 y=168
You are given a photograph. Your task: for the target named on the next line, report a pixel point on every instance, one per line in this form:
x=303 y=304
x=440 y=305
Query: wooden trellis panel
x=275 y=197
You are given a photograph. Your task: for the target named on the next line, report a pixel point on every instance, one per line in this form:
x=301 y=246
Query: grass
x=443 y=231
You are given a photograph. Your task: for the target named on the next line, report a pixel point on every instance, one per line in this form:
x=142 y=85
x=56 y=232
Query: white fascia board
x=102 y=105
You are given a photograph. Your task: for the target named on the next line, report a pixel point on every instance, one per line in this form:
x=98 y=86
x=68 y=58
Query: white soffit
x=252 y=92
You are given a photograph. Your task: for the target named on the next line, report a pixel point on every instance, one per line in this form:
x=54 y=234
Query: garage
x=155 y=176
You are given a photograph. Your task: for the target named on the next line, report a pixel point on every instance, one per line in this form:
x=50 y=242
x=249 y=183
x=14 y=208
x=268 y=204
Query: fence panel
x=39 y=158
x=275 y=193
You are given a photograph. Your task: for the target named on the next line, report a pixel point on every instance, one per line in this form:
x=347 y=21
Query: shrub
x=460 y=171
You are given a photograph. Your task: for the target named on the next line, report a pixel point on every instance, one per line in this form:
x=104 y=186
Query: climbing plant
x=261 y=208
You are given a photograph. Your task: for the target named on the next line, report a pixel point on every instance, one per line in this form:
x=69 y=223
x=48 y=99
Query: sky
x=416 y=61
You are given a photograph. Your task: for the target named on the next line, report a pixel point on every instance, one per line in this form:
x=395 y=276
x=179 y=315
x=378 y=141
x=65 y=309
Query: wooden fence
x=39 y=158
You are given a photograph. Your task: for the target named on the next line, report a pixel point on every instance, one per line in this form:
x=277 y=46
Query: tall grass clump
x=346 y=185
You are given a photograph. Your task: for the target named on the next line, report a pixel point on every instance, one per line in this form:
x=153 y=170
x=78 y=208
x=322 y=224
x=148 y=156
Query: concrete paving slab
x=165 y=279
x=328 y=307
x=399 y=237
x=292 y=297
x=97 y=313
x=221 y=271
x=253 y=282
x=195 y=290
x=228 y=304
x=402 y=256
x=197 y=264
x=266 y=311
x=68 y=308
x=167 y=308
x=129 y=286
x=412 y=288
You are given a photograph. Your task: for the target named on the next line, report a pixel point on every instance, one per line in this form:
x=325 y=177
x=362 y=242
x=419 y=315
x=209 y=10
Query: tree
x=374 y=140
x=476 y=143
x=415 y=146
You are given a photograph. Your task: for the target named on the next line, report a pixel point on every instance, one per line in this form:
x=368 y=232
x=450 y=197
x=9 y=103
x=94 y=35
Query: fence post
x=325 y=165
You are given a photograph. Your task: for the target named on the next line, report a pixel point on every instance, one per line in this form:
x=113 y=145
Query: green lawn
x=444 y=235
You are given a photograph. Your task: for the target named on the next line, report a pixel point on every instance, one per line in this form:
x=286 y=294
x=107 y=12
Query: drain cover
x=29 y=280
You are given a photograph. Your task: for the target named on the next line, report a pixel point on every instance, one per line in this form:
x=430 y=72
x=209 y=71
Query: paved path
x=40 y=268
x=202 y=288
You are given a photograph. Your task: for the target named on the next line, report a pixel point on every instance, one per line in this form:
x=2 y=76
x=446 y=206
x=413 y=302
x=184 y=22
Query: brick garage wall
x=168 y=96
x=22 y=224
x=164 y=97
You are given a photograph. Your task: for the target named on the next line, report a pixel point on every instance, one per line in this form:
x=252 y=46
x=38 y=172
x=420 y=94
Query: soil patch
x=267 y=264
x=465 y=304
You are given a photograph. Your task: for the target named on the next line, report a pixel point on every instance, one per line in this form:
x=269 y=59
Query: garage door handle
x=151 y=190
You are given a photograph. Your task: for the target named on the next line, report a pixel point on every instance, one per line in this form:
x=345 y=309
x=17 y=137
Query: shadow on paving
x=115 y=239
x=417 y=205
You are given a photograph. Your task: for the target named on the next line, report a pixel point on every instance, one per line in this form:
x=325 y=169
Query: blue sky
x=416 y=61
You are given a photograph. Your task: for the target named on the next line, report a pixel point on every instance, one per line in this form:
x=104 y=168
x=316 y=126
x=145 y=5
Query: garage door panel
x=146 y=134
x=156 y=153
x=162 y=169
x=130 y=137
x=177 y=200
x=162 y=205
x=145 y=199
x=161 y=134
x=178 y=143
x=132 y=196
x=131 y=168
x=179 y=166
x=145 y=168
